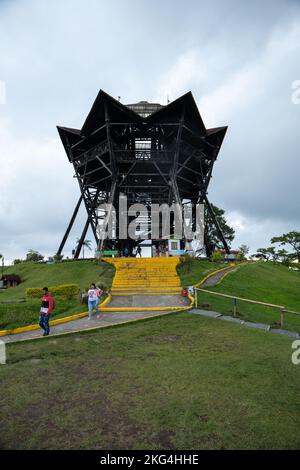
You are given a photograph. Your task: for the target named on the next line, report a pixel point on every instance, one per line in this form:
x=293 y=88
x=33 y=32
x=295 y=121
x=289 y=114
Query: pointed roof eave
x=68 y=135
x=96 y=115
x=216 y=136
x=166 y=109
x=191 y=108
x=70 y=130
x=215 y=130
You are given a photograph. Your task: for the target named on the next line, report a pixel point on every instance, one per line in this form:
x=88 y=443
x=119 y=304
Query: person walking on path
x=92 y=301
x=99 y=294
x=46 y=308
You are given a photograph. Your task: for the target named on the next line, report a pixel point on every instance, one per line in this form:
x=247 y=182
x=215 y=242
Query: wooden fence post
x=281 y=318
x=234 y=307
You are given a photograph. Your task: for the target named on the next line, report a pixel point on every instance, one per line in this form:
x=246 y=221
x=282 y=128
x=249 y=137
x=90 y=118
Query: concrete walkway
x=82 y=324
x=257 y=326
x=110 y=318
x=211 y=281
x=142 y=301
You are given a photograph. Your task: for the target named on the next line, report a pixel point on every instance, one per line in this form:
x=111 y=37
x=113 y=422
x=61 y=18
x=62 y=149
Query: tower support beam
x=81 y=240
x=65 y=237
x=220 y=233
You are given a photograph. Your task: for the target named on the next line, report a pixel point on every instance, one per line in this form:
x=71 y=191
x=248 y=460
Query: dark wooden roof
x=121 y=113
x=113 y=125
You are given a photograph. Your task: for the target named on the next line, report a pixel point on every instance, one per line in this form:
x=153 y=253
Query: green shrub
x=186 y=262
x=67 y=291
x=216 y=257
x=292 y=265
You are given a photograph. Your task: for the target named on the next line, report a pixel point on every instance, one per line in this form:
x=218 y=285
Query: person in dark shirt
x=139 y=251
x=47 y=306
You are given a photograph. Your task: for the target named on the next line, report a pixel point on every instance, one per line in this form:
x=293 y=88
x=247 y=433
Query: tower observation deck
x=149 y=152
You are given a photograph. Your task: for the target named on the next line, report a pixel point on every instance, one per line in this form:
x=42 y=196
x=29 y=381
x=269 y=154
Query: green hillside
x=197 y=270
x=40 y=274
x=14 y=315
x=84 y=272
x=265 y=282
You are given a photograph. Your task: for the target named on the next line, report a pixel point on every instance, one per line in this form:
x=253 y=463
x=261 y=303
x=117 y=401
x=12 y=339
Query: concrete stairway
x=145 y=276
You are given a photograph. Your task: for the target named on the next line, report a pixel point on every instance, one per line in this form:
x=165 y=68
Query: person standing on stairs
x=139 y=251
x=99 y=293
x=93 y=301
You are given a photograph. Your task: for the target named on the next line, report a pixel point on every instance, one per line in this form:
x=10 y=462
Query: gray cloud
x=238 y=59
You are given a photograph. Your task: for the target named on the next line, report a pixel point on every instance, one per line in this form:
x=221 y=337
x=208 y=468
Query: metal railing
x=234 y=298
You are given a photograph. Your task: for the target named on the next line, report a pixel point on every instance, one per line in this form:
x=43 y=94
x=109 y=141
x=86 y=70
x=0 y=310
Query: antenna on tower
x=168 y=101
x=119 y=98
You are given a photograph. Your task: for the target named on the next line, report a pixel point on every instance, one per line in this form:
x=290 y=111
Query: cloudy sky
x=240 y=60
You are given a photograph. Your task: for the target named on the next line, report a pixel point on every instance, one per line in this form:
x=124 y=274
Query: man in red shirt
x=46 y=308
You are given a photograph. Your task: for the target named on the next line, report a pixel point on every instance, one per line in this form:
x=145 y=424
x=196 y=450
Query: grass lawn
x=265 y=282
x=38 y=275
x=175 y=382
x=198 y=270
x=27 y=313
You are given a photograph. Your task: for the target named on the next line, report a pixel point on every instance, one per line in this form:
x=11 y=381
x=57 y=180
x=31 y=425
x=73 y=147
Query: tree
x=57 y=257
x=283 y=255
x=244 y=250
x=291 y=238
x=86 y=243
x=266 y=253
x=211 y=237
x=260 y=254
x=34 y=255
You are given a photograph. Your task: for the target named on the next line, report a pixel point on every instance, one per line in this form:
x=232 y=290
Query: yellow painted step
x=145 y=275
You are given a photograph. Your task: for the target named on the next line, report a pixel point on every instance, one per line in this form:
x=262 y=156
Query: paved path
x=257 y=326
x=211 y=281
x=143 y=301
x=105 y=319
x=110 y=318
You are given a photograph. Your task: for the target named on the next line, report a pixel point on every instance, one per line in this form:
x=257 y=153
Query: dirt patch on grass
x=163 y=440
x=35 y=360
x=95 y=423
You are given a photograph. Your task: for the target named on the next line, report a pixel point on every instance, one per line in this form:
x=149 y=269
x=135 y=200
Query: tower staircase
x=145 y=276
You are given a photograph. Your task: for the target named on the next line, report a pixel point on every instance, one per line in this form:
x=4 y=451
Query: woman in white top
x=93 y=301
